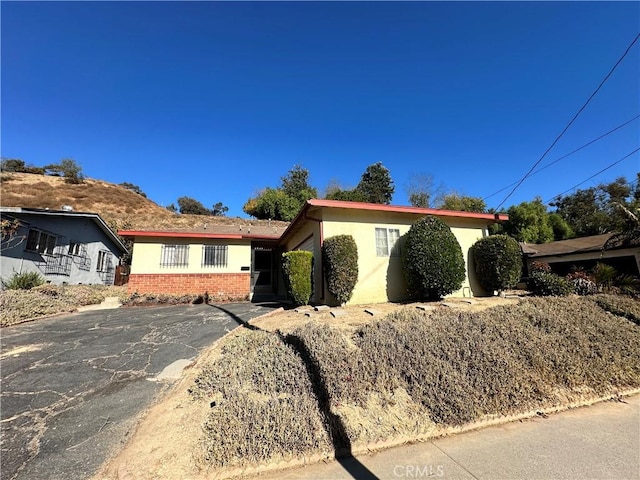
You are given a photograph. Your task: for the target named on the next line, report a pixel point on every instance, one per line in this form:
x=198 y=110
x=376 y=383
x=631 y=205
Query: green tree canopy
x=67 y=168
x=598 y=209
x=284 y=202
x=376 y=184
x=529 y=222
x=133 y=188
x=455 y=201
x=192 y=206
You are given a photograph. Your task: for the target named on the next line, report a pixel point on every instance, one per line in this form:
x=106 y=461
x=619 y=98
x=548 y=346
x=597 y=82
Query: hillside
x=120 y=207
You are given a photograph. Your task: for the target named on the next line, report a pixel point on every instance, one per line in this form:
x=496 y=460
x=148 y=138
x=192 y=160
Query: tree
x=347 y=196
x=455 y=201
x=529 y=222
x=219 y=210
x=12 y=165
x=272 y=203
x=67 y=168
x=192 y=206
x=296 y=184
x=422 y=190
x=432 y=259
x=596 y=210
x=172 y=208
x=284 y=202
x=133 y=188
x=376 y=184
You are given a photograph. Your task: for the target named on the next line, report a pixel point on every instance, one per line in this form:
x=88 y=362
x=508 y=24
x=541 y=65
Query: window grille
x=387 y=242
x=175 y=256
x=214 y=256
x=58 y=264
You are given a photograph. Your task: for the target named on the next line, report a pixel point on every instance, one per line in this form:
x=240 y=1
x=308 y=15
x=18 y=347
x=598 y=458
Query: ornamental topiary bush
x=340 y=258
x=545 y=284
x=432 y=259
x=297 y=267
x=498 y=262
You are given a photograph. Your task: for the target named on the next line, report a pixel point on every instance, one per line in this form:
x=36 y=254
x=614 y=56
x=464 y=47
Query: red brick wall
x=215 y=284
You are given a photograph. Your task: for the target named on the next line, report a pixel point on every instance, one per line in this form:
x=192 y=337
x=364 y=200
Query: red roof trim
x=404 y=209
x=164 y=234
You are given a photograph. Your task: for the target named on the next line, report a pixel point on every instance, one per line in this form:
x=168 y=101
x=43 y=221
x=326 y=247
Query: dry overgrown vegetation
x=618 y=305
x=317 y=388
x=120 y=207
x=22 y=305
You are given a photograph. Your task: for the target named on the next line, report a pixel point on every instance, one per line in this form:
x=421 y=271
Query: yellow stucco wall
x=147 y=254
x=293 y=242
x=380 y=279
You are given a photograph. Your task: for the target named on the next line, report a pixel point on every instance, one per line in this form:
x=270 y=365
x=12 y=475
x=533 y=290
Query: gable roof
x=592 y=243
x=100 y=223
x=316 y=204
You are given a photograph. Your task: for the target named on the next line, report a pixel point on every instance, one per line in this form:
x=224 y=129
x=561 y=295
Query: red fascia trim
x=227 y=236
x=404 y=209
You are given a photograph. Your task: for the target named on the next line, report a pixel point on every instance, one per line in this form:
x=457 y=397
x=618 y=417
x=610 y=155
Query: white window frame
x=387 y=242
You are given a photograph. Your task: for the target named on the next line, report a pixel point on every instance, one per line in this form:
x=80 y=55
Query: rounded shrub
x=498 y=262
x=584 y=286
x=545 y=284
x=340 y=258
x=23 y=281
x=432 y=259
x=297 y=267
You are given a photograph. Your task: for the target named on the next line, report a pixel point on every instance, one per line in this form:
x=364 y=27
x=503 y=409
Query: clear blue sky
x=216 y=100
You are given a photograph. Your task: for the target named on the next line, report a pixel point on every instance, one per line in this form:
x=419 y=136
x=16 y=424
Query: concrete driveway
x=72 y=387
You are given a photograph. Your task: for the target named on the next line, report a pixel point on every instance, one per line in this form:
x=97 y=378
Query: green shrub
x=340 y=257
x=498 y=262
x=545 y=284
x=432 y=259
x=583 y=286
x=298 y=270
x=23 y=281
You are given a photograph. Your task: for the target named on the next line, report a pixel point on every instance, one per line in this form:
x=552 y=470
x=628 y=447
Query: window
x=41 y=242
x=76 y=248
x=104 y=261
x=387 y=242
x=175 y=256
x=214 y=256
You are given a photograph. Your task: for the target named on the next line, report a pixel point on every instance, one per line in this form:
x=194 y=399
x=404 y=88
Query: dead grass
x=120 y=207
x=622 y=306
x=19 y=306
x=414 y=371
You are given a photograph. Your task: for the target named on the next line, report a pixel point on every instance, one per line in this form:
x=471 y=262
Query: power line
x=594 y=175
x=571 y=122
x=567 y=155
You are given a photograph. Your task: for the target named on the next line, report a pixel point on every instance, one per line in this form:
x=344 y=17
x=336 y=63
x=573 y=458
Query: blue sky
x=216 y=100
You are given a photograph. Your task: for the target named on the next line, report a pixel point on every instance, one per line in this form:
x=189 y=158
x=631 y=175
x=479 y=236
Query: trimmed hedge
x=340 y=258
x=297 y=267
x=432 y=259
x=498 y=262
x=545 y=284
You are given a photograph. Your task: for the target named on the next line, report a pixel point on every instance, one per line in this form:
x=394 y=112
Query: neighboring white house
x=63 y=246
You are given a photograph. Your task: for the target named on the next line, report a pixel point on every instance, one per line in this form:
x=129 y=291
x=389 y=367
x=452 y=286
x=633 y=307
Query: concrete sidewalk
x=597 y=442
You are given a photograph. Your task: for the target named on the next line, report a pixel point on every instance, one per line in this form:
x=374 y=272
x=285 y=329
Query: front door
x=261 y=271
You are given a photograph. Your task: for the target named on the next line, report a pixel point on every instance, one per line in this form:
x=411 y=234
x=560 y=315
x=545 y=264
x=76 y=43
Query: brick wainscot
x=223 y=284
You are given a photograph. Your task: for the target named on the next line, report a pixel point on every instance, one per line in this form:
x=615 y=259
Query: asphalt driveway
x=72 y=387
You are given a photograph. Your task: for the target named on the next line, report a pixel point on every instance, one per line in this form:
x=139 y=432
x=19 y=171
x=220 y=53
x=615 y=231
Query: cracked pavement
x=72 y=387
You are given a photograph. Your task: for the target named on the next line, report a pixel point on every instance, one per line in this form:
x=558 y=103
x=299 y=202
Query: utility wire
x=565 y=156
x=570 y=123
x=594 y=175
